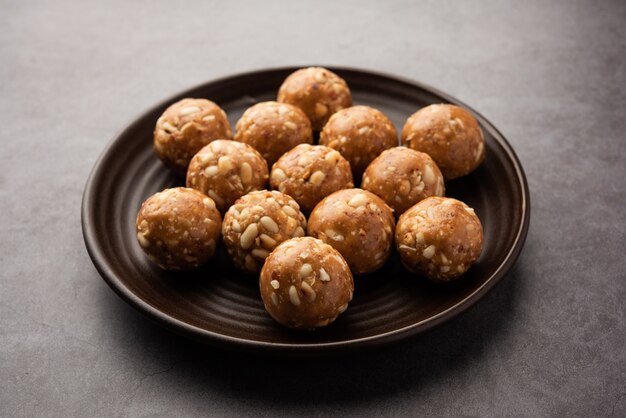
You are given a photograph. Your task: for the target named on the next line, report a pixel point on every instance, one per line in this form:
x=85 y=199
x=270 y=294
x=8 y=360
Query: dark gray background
x=547 y=341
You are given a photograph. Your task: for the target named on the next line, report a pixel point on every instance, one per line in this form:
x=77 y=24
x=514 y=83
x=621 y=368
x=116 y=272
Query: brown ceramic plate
x=222 y=306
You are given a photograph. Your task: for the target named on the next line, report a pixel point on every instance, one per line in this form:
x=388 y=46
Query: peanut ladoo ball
x=317 y=91
x=356 y=223
x=450 y=135
x=256 y=224
x=185 y=127
x=402 y=177
x=439 y=238
x=360 y=134
x=274 y=128
x=225 y=170
x=178 y=228
x=309 y=173
x=305 y=284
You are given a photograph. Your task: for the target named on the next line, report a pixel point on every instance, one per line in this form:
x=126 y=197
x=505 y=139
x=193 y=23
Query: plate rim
x=95 y=251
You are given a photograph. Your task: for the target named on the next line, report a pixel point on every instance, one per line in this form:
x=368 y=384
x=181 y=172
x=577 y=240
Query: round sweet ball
x=439 y=238
x=305 y=284
x=360 y=134
x=178 y=228
x=185 y=127
x=309 y=173
x=450 y=135
x=356 y=223
x=274 y=128
x=225 y=170
x=402 y=177
x=317 y=91
x=257 y=223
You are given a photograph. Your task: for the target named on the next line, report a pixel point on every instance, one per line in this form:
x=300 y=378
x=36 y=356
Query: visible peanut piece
x=292 y=224
x=429 y=175
x=317 y=178
x=308 y=291
x=267 y=242
x=248 y=236
x=225 y=164
x=245 y=173
x=334 y=235
x=269 y=224
x=260 y=253
x=293 y=296
x=358 y=200
x=299 y=232
x=294 y=204
x=234 y=225
x=324 y=276
x=208 y=203
x=291 y=125
x=143 y=241
x=217 y=198
x=429 y=251
x=419 y=238
x=289 y=211
x=211 y=170
x=332 y=157
x=305 y=270
x=169 y=128
x=189 y=110
x=275 y=284
x=279 y=175
x=274 y=299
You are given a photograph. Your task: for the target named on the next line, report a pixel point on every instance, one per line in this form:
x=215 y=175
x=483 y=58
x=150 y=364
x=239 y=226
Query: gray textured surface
x=548 y=341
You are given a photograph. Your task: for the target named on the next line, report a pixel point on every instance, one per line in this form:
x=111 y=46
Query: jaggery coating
x=274 y=128
x=450 y=135
x=305 y=283
x=402 y=177
x=225 y=170
x=178 y=228
x=360 y=134
x=356 y=223
x=439 y=238
x=318 y=92
x=185 y=127
x=309 y=173
x=257 y=223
